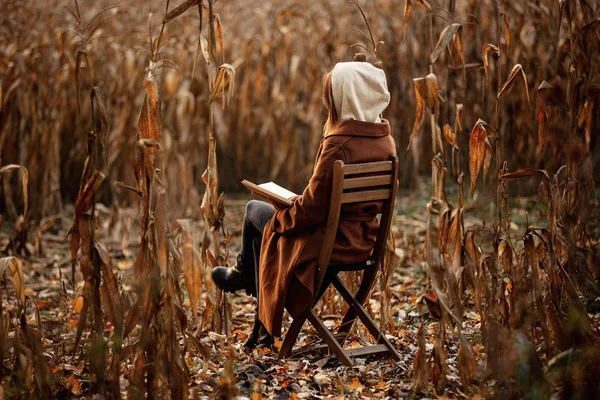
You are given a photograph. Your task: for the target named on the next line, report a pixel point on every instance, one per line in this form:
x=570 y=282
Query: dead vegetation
x=76 y=86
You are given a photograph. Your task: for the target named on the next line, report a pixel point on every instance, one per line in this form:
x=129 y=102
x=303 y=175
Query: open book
x=271 y=191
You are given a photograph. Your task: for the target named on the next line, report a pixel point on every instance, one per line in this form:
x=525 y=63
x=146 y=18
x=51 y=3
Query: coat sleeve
x=312 y=207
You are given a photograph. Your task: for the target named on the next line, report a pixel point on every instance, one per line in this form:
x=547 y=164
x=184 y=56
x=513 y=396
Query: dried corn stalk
x=157 y=357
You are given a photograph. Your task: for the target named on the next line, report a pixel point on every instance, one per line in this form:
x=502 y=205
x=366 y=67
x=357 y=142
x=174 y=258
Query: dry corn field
x=126 y=128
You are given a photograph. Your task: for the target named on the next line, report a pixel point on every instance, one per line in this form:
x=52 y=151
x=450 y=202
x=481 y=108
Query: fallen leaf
x=78 y=304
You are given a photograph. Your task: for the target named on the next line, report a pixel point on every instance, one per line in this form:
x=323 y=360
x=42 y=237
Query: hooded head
x=358 y=91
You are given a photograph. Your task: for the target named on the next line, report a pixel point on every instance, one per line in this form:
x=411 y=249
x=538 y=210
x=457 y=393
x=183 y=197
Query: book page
x=278 y=190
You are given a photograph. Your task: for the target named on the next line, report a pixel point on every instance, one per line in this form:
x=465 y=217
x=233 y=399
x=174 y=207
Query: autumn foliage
x=117 y=106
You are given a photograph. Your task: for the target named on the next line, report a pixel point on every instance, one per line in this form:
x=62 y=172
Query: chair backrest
x=356 y=183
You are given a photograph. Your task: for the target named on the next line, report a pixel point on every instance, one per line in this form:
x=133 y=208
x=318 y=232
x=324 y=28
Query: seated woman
x=281 y=245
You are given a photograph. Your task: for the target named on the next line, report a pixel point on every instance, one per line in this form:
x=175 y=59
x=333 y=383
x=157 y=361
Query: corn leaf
x=177 y=11
x=407 y=11
x=486 y=64
x=191 y=263
x=421 y=95
x=24 y=184
x=467 y=365
x=476 y=151
x=506 y=31
x=225 y=78
x=422 y=369
x=425 y=4
x=487 y=159
x=516 y=70
x=445 y=37
x=545 y=90
x=440 y=367
x=449 y=135
x=523 y=173
x=433 y=92
x=219 y=29
x=14 y=266
x=459 y=111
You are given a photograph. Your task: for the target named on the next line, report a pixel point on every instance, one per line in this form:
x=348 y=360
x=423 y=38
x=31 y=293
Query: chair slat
x=367 y=181
x=367 y=350
x=353 y=169
x=368 y=195
x=323 y=347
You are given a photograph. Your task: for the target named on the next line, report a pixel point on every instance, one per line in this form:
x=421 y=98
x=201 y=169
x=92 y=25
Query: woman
x=284 y=242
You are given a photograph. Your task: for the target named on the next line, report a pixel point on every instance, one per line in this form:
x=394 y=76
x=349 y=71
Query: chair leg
x=331 y=341
x=290 y=337
x=361 y=297
x=296 y=327
x=292 y=334
x=364 y=317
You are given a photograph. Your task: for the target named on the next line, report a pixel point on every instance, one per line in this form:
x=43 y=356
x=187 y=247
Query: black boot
x=252 y=340
x=259 y=337
x=231 y=279
x=266 y=340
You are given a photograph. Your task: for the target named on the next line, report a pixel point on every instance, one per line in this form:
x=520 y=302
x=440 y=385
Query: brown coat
x=292 y=239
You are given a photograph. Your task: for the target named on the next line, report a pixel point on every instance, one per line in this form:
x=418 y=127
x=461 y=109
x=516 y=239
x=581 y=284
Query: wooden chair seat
x=353 y=183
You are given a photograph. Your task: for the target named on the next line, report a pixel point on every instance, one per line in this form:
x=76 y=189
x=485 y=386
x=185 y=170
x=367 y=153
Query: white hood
x=359 y=91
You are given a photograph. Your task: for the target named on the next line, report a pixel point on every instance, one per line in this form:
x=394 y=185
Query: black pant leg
x=257 y=214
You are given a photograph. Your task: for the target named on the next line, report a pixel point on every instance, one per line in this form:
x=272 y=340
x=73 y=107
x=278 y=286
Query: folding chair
x=352 y=183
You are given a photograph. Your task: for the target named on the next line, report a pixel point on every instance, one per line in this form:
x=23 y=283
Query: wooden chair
x=352 y=183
